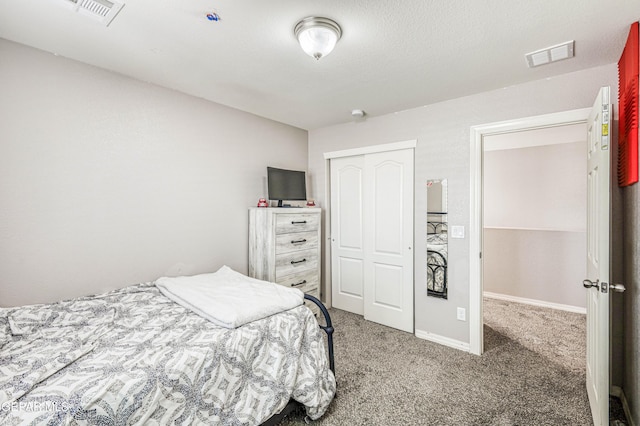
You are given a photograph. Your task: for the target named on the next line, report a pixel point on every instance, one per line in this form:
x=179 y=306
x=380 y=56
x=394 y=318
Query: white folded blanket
x=228 y=298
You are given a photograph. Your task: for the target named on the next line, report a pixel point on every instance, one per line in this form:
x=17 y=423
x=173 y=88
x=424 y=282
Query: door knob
x=619 y=288
x=589 y=284
x=605 y=288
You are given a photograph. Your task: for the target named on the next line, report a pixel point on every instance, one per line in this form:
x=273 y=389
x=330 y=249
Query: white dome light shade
x=317 y=36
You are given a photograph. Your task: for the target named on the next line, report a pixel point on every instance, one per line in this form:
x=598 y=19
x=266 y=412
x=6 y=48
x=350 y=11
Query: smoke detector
x=102 y=11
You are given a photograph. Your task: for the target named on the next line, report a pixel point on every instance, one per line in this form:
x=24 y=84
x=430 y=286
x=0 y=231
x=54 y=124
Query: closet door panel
x=386 y=217
x=385 y=288
x=350 y=272
x=347 y=255
x=388 y=222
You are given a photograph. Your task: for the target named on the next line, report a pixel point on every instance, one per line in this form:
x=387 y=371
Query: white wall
x=107 y=181
x=443 y=151
x=541 y=187
x=534 y=240
x=541 y=265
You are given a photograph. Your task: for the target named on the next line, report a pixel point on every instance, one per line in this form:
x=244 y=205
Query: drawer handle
x=299 y=222
x=293 y=262
x=298 y=241
x=300 y=283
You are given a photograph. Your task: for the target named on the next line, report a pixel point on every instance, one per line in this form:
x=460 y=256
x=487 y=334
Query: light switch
x=457 y=231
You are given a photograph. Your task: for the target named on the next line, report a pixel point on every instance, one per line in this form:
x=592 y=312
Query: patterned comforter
x=133 y=356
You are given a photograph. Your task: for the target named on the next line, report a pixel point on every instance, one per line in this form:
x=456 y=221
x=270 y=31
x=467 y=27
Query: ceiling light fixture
x=317 y=36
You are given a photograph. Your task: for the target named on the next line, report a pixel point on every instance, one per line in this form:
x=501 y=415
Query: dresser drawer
x=306 y=281
x=297 y=261
x=286 y=223
x=286 y=243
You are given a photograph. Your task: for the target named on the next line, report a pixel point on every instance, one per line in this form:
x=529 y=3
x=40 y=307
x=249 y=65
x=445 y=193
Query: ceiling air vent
x=101 y=10
x=550 y=54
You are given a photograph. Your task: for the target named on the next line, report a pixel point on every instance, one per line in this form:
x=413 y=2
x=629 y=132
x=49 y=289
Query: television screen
x=286 y=185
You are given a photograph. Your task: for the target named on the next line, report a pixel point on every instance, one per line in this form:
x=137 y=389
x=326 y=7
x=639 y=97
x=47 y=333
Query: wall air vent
x=102 y=11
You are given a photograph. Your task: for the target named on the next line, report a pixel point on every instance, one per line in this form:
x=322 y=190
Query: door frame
x=477 y=134
x=328 y=156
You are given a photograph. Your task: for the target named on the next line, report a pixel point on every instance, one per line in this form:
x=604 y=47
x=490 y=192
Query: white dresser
x=284 y=247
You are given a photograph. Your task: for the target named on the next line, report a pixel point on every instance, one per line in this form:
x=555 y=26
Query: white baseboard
x=446 y=341
x=618 y=392
x=561 y=307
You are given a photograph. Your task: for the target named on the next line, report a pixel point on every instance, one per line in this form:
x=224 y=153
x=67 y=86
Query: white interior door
x=598 y=205
x=347 y=245
x=388 y=224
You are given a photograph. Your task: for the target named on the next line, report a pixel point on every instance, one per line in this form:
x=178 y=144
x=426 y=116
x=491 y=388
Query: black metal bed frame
x=436 y=227
x=328 y=328
x=436 y=262
x=439 y=266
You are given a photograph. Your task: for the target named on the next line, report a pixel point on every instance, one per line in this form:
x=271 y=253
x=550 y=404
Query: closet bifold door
x=372 y=236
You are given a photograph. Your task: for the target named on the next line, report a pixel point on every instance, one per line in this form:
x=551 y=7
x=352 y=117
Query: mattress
x=133 y=356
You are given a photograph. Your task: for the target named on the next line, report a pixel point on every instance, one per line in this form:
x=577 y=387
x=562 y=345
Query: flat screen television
x=286 y=185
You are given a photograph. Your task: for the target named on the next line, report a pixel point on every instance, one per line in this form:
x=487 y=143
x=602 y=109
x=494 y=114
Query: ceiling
x=392 y=56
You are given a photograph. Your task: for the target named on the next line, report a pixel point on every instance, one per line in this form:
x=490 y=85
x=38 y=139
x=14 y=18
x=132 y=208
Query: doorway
x=478 y=138
x=534 y=217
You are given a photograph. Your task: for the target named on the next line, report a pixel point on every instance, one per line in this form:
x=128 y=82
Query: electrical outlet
x=461 y=314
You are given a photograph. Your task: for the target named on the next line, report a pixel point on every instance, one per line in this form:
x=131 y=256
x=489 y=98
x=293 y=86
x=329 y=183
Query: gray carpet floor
x=532 y=373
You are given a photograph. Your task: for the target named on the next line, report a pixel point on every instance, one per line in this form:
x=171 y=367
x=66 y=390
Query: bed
x=133 y=356
x=437 y=259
